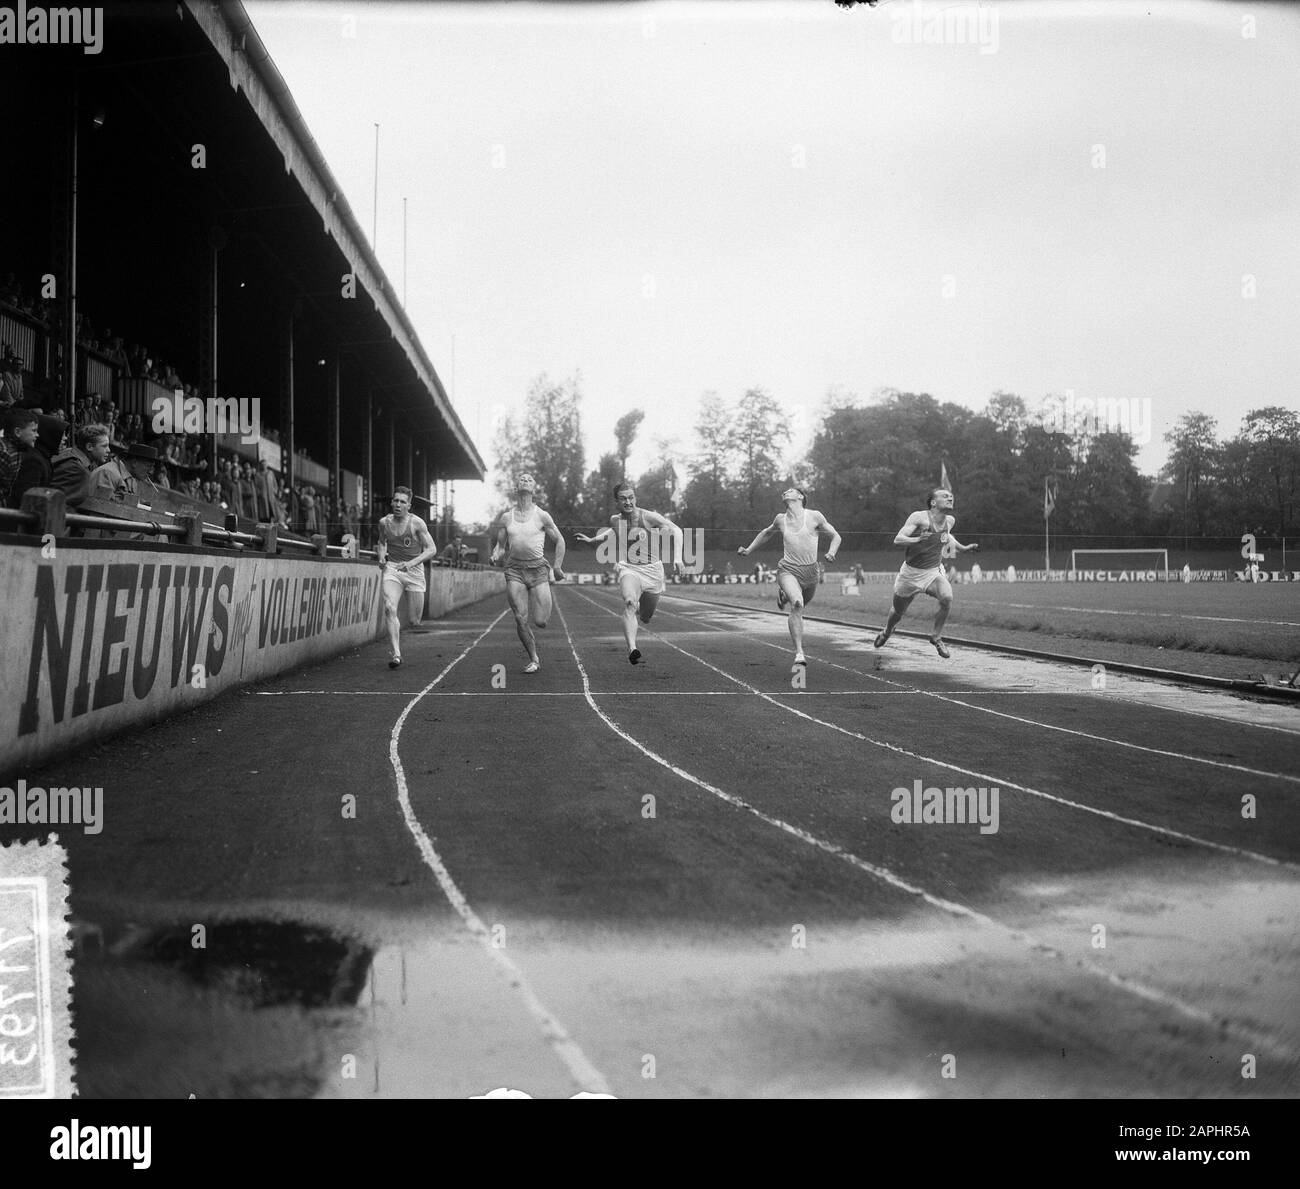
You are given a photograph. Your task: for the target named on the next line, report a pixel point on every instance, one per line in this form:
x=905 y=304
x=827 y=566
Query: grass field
x=1223 y=629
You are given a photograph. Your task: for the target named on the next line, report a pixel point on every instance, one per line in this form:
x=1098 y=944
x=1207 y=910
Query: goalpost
x=1159 y=556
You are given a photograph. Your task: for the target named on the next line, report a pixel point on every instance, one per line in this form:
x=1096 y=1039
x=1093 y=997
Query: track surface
x=682 y=878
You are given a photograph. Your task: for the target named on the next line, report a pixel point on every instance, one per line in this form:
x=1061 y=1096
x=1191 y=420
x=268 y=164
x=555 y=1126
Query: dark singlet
x=403 y=545
x=926 y=554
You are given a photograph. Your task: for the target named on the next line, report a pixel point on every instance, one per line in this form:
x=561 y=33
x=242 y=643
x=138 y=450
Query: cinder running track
x=684 y=879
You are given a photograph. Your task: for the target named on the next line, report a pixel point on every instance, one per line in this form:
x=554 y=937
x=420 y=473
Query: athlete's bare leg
x=539 y=602
x=414 y=608
x=629 y=585
x=392 y=621
x=517 y=593
x=789 y=585
x=940 y=589
x=901 y=605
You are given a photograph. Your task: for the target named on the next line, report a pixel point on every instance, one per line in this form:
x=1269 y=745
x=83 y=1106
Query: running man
x=404 y=546
x=924 y=534
x=521 y=541
x=796 y=573
x=638 y=568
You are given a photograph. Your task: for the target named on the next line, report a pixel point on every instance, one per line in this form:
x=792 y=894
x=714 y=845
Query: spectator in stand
x=261 y=494
x=310 y=519
x=11 y=378
x=74 y=466
x=226 y=484
x=454 y=552
x=247 y=500
x=36 y=467
x=125 y=479
x=20 y=437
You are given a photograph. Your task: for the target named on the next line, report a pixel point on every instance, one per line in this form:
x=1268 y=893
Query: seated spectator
x=160 y=475
x=125 y=479
x=19 y=437
x=11 y=378
x=454 y=553
x=74 y=466
x=36 y=467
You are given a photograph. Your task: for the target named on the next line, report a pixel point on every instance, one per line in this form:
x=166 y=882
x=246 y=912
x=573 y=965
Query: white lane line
x=583 y=1072
x=1131 y=986
x=982 y=776
x=1046 y=726
x=717 y=611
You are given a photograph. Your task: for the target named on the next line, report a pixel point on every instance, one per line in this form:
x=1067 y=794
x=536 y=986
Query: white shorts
x=911 y=581
x=412 y=579
x=651 y=576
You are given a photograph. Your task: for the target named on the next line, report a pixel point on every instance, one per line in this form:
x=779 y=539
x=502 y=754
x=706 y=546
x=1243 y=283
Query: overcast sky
x=674 y=198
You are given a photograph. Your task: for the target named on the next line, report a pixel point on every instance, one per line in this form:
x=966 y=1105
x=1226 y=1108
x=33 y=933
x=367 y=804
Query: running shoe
x=799 y=659
x=394 y=662
x=940 y=647
x=532 y=666
x=781 y=601
x=634 y=656
x=880 y=640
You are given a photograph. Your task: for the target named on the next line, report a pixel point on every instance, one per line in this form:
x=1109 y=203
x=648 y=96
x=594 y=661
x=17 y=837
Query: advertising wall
x=99 y=639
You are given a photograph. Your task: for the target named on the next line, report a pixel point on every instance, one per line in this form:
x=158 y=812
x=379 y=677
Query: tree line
x=871 y=462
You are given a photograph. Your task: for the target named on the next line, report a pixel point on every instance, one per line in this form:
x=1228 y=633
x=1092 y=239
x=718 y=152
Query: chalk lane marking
x=723 y=610
x=583 y=1072
x=1046 y=726
x=982 y=776
x=1128 y=985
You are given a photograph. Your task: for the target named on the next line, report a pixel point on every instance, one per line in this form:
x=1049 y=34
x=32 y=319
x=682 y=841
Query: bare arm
x=912 y=530
x=428 y=551
x=746 y=550
x=499 y=549
x=381 y=546
x=956 y=544
x=553 y=535
x=655 y=520
x=834 y=547
x=596 y=540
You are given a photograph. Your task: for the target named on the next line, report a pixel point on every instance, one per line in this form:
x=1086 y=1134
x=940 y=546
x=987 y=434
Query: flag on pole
x=943 y=477
x=1049 y=497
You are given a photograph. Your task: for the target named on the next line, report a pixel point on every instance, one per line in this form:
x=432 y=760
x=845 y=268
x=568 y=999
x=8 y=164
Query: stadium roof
x=151 y=208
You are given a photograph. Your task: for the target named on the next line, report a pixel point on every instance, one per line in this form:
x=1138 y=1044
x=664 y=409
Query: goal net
x=1144 y=561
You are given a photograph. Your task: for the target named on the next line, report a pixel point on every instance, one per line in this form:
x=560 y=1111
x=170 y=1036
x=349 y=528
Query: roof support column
x=367 y=459
x=332 y=425
x=288 y=467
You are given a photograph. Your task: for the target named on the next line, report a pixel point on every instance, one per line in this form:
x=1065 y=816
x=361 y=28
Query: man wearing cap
x=404 y=546
x=638 y=568
x=796 y=573
x=521 y=542
x=924 y=535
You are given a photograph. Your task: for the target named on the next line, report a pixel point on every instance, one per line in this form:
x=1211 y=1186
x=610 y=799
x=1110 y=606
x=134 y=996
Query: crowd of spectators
x=34 y=439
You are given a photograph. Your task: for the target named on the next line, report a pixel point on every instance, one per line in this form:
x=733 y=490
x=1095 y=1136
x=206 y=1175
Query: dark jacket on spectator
x=36 y=467
x=72 y=471
x=11 y=454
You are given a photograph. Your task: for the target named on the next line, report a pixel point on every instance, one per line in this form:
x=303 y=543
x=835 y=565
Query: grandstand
x=178 y=231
